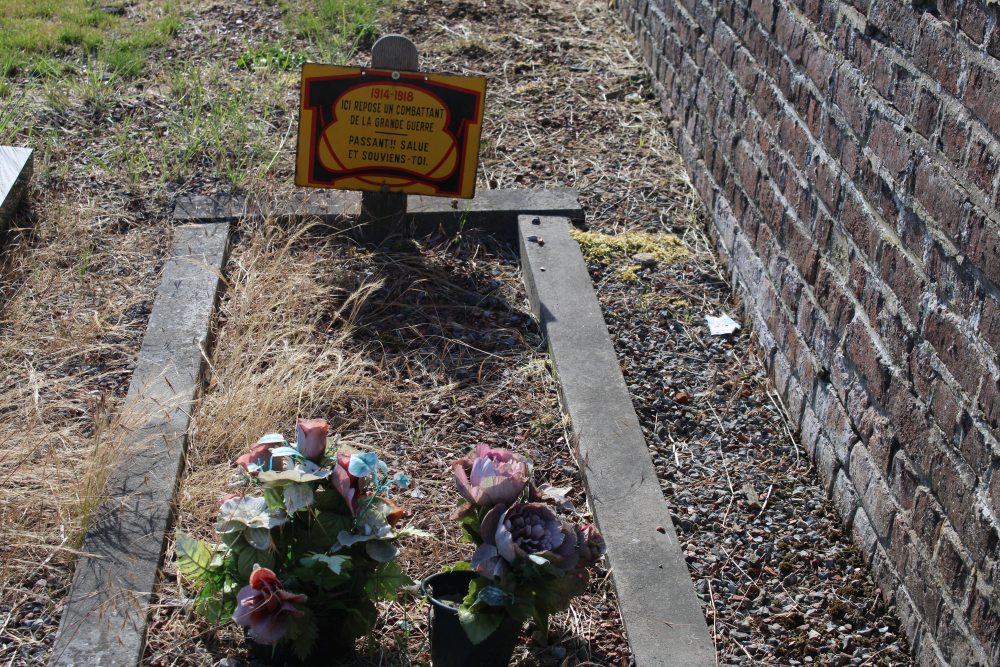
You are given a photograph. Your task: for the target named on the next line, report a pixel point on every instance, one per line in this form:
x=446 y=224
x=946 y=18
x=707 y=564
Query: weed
x=13 y=118
x=271 y=56
x=338 y=28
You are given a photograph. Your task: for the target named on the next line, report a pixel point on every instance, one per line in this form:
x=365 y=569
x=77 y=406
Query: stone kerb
x=661 y=613
x=16 y=166
x=104 y=622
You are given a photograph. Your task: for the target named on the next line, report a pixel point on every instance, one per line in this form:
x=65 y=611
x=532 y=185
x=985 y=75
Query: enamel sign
x=387 y=131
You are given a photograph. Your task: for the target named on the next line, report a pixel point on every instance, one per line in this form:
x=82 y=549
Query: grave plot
x=418 y=353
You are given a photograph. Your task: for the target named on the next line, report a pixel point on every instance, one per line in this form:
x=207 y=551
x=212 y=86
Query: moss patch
x=606 y=249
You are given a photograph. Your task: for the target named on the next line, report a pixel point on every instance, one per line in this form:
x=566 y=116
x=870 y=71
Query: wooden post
x=384 y=213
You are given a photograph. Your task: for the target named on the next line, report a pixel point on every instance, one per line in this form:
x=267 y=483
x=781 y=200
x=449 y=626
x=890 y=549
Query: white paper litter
x=721 y=326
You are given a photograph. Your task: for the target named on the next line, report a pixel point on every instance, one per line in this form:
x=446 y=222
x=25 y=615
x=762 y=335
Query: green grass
x=46 y=37
x=337 y=29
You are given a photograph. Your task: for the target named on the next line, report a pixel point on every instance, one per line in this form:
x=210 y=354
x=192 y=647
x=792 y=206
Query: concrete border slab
x=16 y=167
x=491 y=211
x=104 y=621
x=662 y=615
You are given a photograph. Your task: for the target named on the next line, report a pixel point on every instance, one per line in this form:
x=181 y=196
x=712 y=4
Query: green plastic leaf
x=306 y=472
x=210 y=608
x=194 y=557
x=335 y=563
x=479 y=625
x=382 y=550
x=298 y=496
x=386 y=581
x=259 y=538
x=302 y=633
x=247 y=557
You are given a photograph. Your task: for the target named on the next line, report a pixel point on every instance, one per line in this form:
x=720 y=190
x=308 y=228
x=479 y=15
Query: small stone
x=645 y=259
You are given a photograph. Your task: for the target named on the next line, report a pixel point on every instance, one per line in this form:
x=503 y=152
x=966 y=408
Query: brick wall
x=848 y=154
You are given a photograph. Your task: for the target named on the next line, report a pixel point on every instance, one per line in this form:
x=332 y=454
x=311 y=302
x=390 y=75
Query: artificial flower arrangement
x=530 y=561
x=310 y=555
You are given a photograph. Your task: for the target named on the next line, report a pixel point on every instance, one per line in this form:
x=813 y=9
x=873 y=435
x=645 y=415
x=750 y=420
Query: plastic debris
x=721 y=326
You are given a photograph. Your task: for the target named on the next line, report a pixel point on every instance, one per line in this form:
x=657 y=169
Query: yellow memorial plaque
x=381 y=130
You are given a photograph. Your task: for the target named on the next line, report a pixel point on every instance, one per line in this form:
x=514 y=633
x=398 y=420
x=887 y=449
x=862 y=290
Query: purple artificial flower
x=264 y=607
x=521 y=532
x=489 y=476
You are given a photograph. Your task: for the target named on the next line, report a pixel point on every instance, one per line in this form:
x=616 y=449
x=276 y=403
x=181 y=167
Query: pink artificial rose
x=260 y=456
x=351 y=490
x=346 y=484
x=310 y=437
x=489 y=476
x=264 y=607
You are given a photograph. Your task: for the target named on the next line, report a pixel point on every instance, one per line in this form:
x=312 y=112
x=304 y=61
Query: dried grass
x=73 y=291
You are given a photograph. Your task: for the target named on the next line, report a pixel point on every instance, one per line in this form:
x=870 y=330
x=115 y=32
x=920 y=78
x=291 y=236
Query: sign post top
x=395 y=52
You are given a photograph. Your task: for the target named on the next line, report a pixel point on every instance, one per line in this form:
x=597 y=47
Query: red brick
x=849 y=98
x=764 y=11
x=794 y=140
x=897 y=335
x=975 y=449
x=936 y=52
x=984 y=618
x=826 y=181
x=820 y=63
x=989 y=323
x=922 y=370
x=989 y=400
x=802 y=251
x=831 y=298
x=940 y=194
x=973 y=21
x=954 y=486
x=944 y=406
x=860 y=350
x=896 y=20
x=903 y=480
x=993 y=41
x=875 y=494
x=983 y=247
x=849 y=153
x=901 y=275
x=952 y=563
x=891 y=143
x=995 y=495
x=984 y=163
x=860 y=225
x=883 y=72
x=954 y=137
x=925 y=113
x=982 y=91
x=790 y=34
x=927 y=515
x=908 y=416
x=953 y=348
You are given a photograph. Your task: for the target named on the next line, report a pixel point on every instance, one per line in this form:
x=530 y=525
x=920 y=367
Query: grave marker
x=389 y=130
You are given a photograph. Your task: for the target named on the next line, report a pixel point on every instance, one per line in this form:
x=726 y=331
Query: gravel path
x=776 y=574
